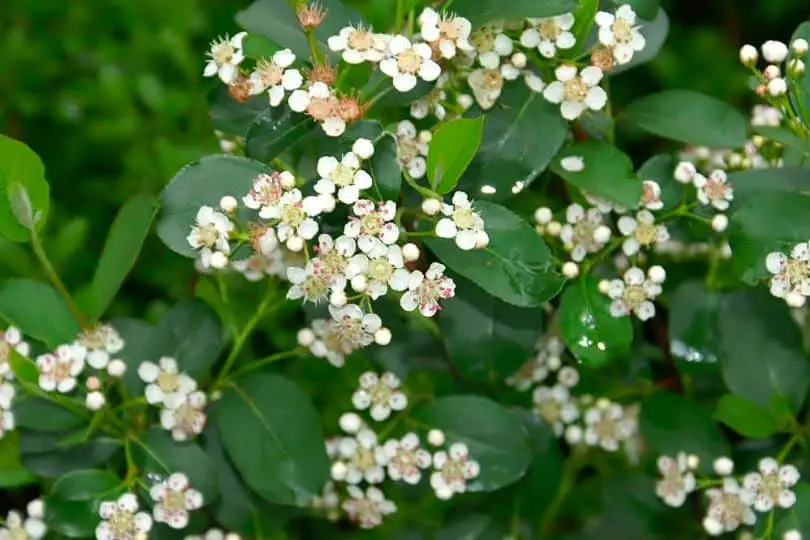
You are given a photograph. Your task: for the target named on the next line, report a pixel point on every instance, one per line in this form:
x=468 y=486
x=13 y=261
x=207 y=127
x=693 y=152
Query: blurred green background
x=110 y=94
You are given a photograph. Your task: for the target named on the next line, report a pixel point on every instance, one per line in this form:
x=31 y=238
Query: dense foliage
x=434 y=295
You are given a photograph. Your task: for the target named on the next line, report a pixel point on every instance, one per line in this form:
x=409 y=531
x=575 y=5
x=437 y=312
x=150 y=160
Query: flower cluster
x=30 y=525
x=182 y=405
x=790 y=274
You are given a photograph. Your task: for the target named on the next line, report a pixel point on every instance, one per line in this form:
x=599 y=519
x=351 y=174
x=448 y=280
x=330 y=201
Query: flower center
x=187 y=417
x=409 y=61
x=796 y=271
x=122 y=524
x=450 y=29
x=269 y=73
x=342 y=175
x=453 y=471
x=464 y=218
x=175 y=501
x=61 y=370
x=646 y=233
x=634 y=296
x=493 y=80
x=575 y=90
x=584 y=235
x=771 y=486
x=364 y=458
x=332 y=262
x=94 y=338
x=5 y=348
x=380 y=270
x=548 y=30
x=168 y=382
x=622 y=31
x=550 y=410
x=293 y=215
x=315 y=286
x=223 y=53
x=372 y=223
x=380 y=393
x=360 y=40
x=320 y=108
x=430 y=290
x=715 y=190
x=208 y=235
x=484 y=40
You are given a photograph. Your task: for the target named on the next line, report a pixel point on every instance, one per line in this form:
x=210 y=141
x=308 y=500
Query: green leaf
x=259 y=47
x=46 y=455
x=694 y=323
x=473 y=527
x=521 y=136
x=190 y=333
x=21 y=165
x=660 y=169
x=672 y=423
x=162 y=455
x=655 y=32
x=121 y=250
x=583 y=23
x=73 y=519
x=765 y=223
x=761 y=349
x=23 y=368
x=38 y=311
x=277 y=129
x=203 y=182
x=278 y=21
x=384 y=169
x=21 y=205
x=497 y=439
x=516 y=267
x=86 y=485
x=689 y=117
x=138 y=348
x=645 y=9
x=234 y=117
x=785 y=137
x=12 y=472
x=608 y=172
x=754 y=182
x=273 y=436
x=487 y=339
x=591 y=333
x=542 y=481
x=452 y=148
x=798 y=516
x=484 y=11
x=746 y=417
x=42 y=415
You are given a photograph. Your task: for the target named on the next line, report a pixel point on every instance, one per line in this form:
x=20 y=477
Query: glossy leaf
x=84 y=485
x=746 y=417
x=23 y=368
x=42 y=415
x=452 y=148
x=121 y=250
x=272 y=433
x=20 y=165
x=516 y=267
x=12 y=472
x=138 y=348
x=203 y=182
x=521 y=136
x=591 y=333
x=497 y=439
x=689 y=117
x=72 y=519
x=800 y=92
x=38 y=311
x=608 y=172
x=484 y=11
x=694 y=323
x=275 y=131
x=754 y=182
x=384 y=169
x=191 y=334
x=47 y=456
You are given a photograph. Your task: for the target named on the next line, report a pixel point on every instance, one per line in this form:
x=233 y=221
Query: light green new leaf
x=121 y=250
x=497 y=439
x=272 y=433
x=384 y=169
x=655 y=32
x=746 y=417
x=201 y=183
x=689 y=117
x=484 y=11
x=20 y=165
x=592 y=334
x=276 y=130
x=516 y=267
x=452 y=148
x=38 y=311
x=608 y=172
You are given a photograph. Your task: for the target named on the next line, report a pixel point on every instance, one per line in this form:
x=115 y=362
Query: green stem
x=39 y=251
x=794 y=439
x=400 y=15
x=313 y=45
x=570 y=473
x=768 y=534
x=222 y=287
x=272 y=359
x=418 y=233
x=378 y=97
x=423 y=191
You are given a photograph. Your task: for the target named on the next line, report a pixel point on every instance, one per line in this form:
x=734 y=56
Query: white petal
x=554 y=92
x=597 y=98
x=446 y=228
x=571 y=110
x=404 y=82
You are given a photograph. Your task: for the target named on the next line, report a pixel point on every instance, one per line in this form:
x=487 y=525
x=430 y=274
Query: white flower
x=765 y=115
x=487 y=85
x=651 y=195
x=345 y=176
x=100 y=342
x=633 y=294
x=213 y=534
x=453 y=469
x=641 y=232
x=380 y=273
x=174 y=499
x=359 y=459
x=17 y=527
x=791 y=276
x=122 y=521
x=373 y=226
x=491 y=44
x=368 y=508
x=576 y=91
x=585 y=231
x=379 y=393
x=714 y=190
x=425 y=290
x=677 y=482
x=546 y=360
x=620 y=33
x=412 y=149
x=186 y=419
x=260 y=265
x=6 y=415
x=406 y=459
x=685 y=172
x=549 y=34
x=300 y=99
x=294 y=213
x=12 y=338
x=774 y=52
x=210 y=234
x=555 y=406
x=58 y=371
x=432 y=103
x=608 y=424
x=448 y=33
x=328 y=502
x=407 y=61
x=573 y=163
x=462 y=223
x=729 y=507
x=274 y=77
x=266 y=192
x=772 y=485
x=165 y=383
x=348 y=330
x=225 y=56
x=312 y=283
x=358 y=45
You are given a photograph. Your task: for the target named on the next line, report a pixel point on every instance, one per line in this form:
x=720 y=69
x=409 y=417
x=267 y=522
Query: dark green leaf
x=583 y=23
x=42 y=415
x=138 y=348
x=45 y=455
x=746 y=417
x=201 y=183
x=520 y=137
x=542 y=481
x=694 y=319
x=452 y=148
x=273 y=436
x=608 y=172
x=38 y=311
x=655 y=32
x=20 y=165
x=487 y=339
x=592 y=334
x=23 y=368
x=384 y=169
x=754 y=182
x=798 y=516
x=484 y=11
x=473 y=527
x=73 y=519
x=12 y=471
x=497 y=439
x=234 y=117
x=516 y=267
x=86 y=485
x=689 y=117
x=190 y=333
x=274 y=131
x=121 y=250
x=645 y=9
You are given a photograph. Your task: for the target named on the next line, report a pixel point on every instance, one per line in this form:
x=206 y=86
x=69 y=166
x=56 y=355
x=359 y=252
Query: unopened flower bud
x=305 y=337
x=748 y=55
x=772 y=72
x=777 y=87
x=795 y=299
x=602 y=234
x=228 y=203
x=339 y=471
x=795 y=67
x=350 y=422
x=720 y=222
x=287 y=179
x=519 y=60
x=410 y=252
x=604 y=286
x=553 y=228
x=465 y=101
x=382 y=336
x=792 y=534
x=723 y=466
x=761 y=90
x=685 y=172
x=93 y=383
x=543 y=215
x=295 y=243
x=799 y=46
x=657 y=274
x=364 y=148
x=219 y=260
x=758 y=140
x=774 y=51
x=692 y=461
x=436 y=437
x=338 y=299
x=359 y=283
x=570 y=269
x=116 y=367
x=95 y=401
x=431 y=207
